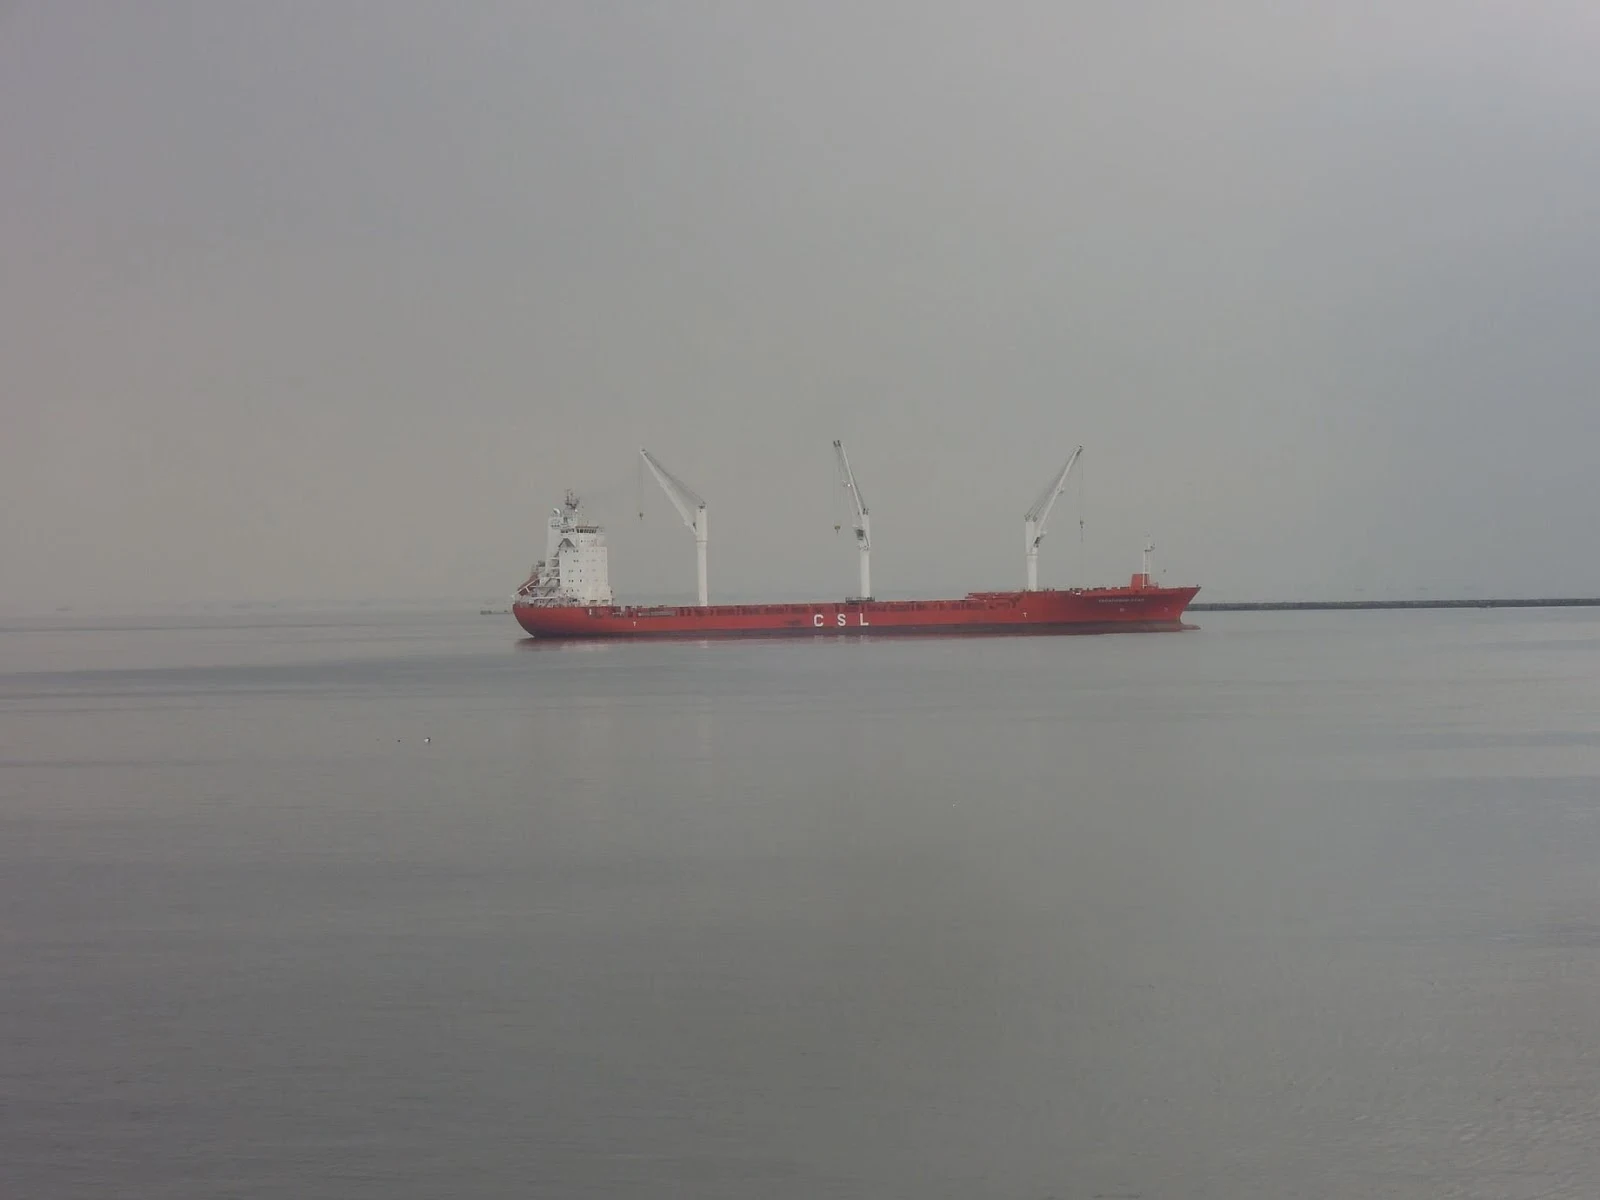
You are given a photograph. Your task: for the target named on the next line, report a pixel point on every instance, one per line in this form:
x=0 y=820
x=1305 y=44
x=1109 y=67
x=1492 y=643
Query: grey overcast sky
x=332 y=299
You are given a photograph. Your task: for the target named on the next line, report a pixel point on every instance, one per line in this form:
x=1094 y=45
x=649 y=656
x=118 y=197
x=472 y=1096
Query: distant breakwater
x=1325 y=605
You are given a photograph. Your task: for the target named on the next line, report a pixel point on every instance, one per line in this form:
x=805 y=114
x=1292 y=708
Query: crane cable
x=838 y=484
x=1083 y=576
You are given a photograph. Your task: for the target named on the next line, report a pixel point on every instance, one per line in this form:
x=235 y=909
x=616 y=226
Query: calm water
x=1297 y=905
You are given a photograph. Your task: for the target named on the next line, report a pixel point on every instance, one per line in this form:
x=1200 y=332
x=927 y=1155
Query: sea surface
x=334 y=906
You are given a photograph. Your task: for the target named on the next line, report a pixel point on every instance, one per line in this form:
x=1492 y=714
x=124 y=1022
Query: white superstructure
x=574 y=569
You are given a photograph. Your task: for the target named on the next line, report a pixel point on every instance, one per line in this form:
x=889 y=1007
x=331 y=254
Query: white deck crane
x=690 y=507
x=1033 y=523
x=863 y=525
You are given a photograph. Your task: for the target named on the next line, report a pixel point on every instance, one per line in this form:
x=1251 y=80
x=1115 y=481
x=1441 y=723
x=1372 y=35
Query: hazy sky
x=333 y=299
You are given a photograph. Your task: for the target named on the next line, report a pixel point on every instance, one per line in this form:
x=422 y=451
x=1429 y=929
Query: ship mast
x=690 y=507
x=1033 y=522
x=863 y=525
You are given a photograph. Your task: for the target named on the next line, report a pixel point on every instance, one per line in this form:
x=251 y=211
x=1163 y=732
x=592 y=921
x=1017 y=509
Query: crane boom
x=863 y=524
x=1033 y=522
x=690 y=507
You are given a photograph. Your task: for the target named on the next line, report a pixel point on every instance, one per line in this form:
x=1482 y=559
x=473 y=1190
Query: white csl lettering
x=861 y=619
x=816 y=619
x=839 y=617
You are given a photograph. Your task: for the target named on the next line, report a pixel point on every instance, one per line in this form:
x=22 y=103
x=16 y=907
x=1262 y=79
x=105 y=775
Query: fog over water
x=332 y=301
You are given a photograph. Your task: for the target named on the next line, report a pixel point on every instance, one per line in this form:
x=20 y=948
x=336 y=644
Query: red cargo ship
x=569 y=595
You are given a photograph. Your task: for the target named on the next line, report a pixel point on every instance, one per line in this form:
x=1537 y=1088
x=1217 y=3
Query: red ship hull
x=1140 y=608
